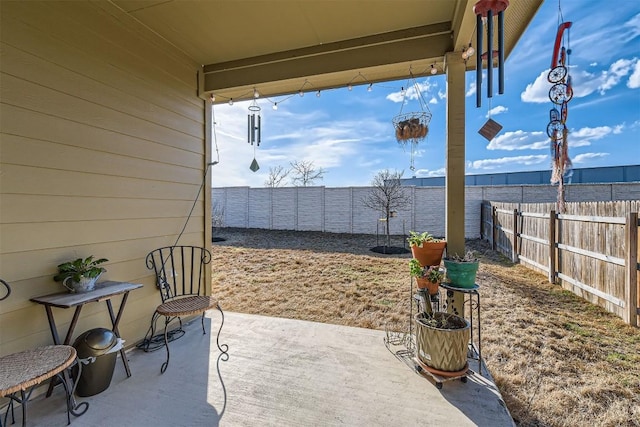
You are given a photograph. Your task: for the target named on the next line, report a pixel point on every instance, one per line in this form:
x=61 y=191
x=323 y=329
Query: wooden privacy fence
x=591 y=249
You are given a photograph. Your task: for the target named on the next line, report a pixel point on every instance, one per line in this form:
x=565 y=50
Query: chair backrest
x=179 y=270
x=8 y=290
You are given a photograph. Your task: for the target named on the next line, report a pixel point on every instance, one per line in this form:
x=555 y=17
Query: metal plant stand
x=471 y=297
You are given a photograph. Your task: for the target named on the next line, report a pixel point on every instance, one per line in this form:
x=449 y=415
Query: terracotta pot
x=429 y=254
x=425 y=283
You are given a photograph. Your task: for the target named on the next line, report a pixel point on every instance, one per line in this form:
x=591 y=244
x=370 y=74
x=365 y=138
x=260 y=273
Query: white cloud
x=423 y=173
x=585 y=83
x=489 y=164
x=472 y=90
x=412 y=92
x=433 y=100
x=442 y=94
x=593 y=64
x=327 y=143
x=616 y=72
x=538 y=91
x=496 y=110
x=519 y=140
x=634 y=78
x=585 y=157
x=634 y=27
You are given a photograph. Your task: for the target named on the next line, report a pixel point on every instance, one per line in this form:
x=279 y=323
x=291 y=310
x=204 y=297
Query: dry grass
x=558 y=360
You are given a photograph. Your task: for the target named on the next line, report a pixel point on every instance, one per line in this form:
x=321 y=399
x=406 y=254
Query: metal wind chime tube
x=501 y=53
x=489 y=53
x=487 y=9
x=479 y=62
x=253 y=124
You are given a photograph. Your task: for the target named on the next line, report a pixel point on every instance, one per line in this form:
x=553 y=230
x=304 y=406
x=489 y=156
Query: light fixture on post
x=256 y=94
x=275 y=106
x=467 y=52
x=230 y=101
x=470 y=51
x=318 y=94
x=434 y=70
x=370 y=88
x=212 y=97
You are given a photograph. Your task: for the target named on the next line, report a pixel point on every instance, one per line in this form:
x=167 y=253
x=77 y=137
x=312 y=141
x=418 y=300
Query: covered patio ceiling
x=281 y=47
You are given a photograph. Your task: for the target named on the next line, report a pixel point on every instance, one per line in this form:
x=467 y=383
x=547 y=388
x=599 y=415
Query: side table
x=103 y=291
x=471 y=297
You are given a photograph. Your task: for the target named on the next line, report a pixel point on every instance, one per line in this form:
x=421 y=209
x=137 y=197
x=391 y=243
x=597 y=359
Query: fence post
x=631 y=264
x=552 y=246
x=515 y=256
x=482 y=207
x=494 y=229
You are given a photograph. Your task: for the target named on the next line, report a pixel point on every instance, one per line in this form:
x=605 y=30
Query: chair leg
x=224 y=348
x=24 y=407
x=166 y=344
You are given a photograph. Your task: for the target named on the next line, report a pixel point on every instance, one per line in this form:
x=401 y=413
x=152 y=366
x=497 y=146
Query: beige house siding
x=102 y=153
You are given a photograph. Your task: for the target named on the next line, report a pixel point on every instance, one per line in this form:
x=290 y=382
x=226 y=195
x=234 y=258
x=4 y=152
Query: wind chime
x=253 y=131
x=486 y=11
x=560 y=94
x=411 y=128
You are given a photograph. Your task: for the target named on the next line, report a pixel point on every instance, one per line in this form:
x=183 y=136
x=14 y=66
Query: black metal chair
x=180 y=276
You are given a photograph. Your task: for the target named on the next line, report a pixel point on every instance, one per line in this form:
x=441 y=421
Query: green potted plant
x=441 y=343
x=426 y=277
x=462 y=270
x=425 y=248
x=80 y=275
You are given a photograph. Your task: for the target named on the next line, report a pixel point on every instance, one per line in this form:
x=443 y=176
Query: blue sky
x=350 y=135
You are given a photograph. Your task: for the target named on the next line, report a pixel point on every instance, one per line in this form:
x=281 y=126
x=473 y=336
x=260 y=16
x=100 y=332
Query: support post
x=552 y=246
x=455 y=154
x=631 y=265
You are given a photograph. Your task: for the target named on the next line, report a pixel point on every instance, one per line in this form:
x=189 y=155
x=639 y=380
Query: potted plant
x=462 y=270
x=427 y=277
x=80 y=275
x=425 y=248
x=441 y=343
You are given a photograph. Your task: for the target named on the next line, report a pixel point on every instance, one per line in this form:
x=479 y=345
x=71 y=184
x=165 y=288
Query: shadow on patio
x=280 y=372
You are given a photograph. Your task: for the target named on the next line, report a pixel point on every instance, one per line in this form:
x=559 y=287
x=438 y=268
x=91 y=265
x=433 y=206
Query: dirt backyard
x=557 y=360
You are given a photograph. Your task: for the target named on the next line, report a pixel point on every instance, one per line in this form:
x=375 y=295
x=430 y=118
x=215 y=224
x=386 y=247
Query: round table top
x=451 y=287
x=20 y=371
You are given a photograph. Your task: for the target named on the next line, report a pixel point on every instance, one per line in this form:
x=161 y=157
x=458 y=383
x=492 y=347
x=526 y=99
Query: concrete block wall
x=340 y=210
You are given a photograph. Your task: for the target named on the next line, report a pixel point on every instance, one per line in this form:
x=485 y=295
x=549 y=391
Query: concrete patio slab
x=280 y=372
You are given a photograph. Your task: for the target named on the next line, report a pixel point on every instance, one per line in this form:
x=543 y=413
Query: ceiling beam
x=412 y=44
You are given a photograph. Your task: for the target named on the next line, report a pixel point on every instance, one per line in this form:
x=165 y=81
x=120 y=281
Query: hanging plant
x=412 y=127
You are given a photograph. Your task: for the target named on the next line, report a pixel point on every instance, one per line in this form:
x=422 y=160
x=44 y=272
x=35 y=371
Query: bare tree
x=387 y=196
x=276 y=176
x=305 y=173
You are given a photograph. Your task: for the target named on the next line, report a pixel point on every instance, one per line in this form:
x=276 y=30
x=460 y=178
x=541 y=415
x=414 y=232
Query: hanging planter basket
x=412 y=127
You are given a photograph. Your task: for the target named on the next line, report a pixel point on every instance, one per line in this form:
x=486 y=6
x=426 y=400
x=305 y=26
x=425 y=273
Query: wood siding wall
x=102 y=152
x=591 y=249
